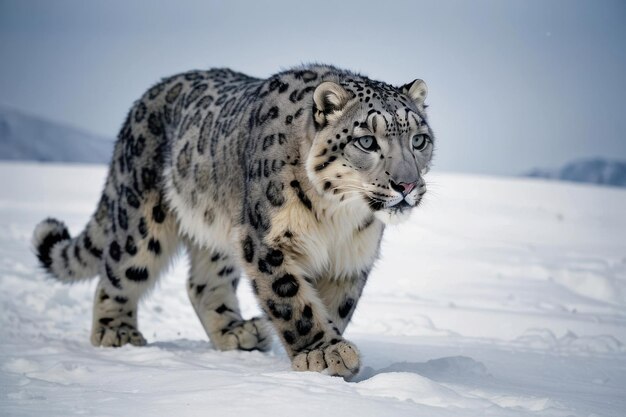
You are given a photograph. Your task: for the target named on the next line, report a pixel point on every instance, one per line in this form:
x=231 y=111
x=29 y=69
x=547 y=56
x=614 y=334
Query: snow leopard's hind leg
x=212 y=289
x=142 y=233
x=132 y=262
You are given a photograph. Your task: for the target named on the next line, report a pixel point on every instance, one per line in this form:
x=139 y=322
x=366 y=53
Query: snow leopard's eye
x=420 y=142
x=367 y=143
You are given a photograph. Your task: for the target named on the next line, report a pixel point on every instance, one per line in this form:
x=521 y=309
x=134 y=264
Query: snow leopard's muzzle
x=402 y=198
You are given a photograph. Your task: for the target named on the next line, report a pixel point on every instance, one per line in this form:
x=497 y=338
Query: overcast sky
x=512 y=84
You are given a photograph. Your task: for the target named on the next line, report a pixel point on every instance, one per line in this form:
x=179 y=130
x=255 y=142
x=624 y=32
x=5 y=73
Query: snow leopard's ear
x=417 y=91
x=328 y=98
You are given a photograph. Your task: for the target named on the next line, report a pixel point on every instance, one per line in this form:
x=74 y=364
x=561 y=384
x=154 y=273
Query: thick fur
x=267 y=177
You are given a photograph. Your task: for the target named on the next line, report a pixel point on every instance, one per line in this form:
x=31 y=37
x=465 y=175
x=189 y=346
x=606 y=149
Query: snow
x=500 y=297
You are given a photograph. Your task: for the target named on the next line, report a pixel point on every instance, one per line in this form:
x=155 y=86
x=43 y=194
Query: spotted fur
x=288 y=179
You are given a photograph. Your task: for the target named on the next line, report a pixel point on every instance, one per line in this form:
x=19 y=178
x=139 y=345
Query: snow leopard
x=288 y=180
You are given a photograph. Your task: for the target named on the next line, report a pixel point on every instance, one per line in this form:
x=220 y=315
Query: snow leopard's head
x=372 y=143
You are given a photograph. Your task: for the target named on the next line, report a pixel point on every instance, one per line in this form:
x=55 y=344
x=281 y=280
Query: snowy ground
x=501 y=297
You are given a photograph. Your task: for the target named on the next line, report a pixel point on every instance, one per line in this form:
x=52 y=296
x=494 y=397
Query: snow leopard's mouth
x=395 y=210
x=401 y=206
x=392 y=206
x=395 y=214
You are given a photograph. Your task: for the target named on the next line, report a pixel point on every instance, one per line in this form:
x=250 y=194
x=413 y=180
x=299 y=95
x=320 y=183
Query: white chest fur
x=328 y=243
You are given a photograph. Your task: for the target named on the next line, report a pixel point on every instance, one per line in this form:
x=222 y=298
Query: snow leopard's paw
x=340 y=359
x=107 y=335
x=253 y=334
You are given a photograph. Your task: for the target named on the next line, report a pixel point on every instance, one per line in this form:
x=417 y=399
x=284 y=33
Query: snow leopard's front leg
x=340 y=296
x=297 y=313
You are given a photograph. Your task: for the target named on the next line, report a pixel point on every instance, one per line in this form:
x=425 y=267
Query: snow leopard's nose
x=403 y=188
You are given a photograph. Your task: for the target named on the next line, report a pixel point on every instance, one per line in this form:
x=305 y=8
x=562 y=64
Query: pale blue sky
x=513 y=84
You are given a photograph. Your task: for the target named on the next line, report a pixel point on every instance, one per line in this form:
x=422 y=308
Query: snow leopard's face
x=372 y=144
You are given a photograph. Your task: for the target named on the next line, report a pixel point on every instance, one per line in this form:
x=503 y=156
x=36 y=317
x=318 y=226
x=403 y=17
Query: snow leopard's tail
x=69 y=260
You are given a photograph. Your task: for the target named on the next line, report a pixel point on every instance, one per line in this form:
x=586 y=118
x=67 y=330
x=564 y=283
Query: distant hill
x=593 y=171
x=29 y=138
